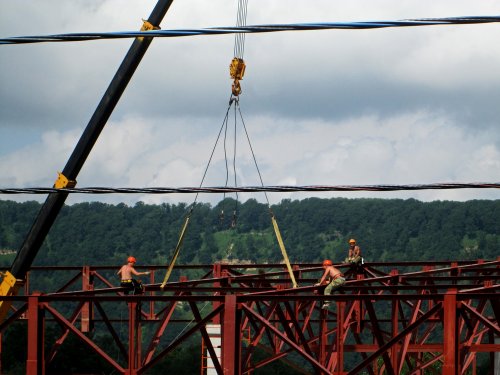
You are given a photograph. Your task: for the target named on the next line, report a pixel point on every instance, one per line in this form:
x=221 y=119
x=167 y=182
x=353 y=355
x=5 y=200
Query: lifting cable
x=266 y=28
x=188 y=216
x=235 y=210
x=273 y=217
x=252 y=189
x=236 y=71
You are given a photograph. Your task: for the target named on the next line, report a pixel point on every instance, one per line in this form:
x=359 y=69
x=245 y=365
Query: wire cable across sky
x=249 y=189
x=76 y=37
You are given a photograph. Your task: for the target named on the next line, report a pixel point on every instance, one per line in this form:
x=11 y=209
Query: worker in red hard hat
x=333 y=277
x=354 y=253
x=127 y=281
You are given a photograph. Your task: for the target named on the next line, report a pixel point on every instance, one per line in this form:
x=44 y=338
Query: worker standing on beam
x=127 y=281
x=333 y=277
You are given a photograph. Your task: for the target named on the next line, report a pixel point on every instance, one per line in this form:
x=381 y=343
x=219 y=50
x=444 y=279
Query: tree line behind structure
x=313 y=229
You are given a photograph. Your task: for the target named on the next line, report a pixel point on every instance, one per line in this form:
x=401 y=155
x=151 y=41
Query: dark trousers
x=132 y=285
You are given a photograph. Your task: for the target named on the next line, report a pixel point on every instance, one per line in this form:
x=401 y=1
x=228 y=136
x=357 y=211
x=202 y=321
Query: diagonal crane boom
x=14 y=278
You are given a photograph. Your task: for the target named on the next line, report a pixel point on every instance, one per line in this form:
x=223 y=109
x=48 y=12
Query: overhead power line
x=267 y=28
x=249 y=189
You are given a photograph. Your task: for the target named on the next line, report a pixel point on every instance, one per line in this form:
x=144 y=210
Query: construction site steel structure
x=388 y=318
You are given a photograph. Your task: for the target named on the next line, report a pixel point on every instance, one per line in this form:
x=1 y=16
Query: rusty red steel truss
x=388 y=318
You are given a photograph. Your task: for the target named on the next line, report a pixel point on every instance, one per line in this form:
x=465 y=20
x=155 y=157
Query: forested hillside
x=313 y=229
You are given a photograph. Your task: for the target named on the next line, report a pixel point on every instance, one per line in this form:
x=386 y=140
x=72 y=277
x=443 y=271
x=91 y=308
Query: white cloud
x=393 y=106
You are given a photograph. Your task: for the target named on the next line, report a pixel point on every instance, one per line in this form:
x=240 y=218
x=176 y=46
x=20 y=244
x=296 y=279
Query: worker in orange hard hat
x=354 y=253
x=333 y=277
x=126 y=272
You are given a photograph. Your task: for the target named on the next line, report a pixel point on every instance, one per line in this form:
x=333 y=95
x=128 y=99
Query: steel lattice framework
x=389 y=318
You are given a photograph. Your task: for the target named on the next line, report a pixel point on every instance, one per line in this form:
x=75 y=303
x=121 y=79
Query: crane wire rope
x=277 y=232
x=241 y=21
x=99 y=190
x=235 y=210
x=264 y=28
x=274 y=222
x=237 y=70
x=182 y=233
x=221 y=216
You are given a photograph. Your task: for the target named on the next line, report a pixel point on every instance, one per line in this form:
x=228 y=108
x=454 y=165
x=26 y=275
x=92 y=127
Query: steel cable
x=266 y=28
x=249 y=189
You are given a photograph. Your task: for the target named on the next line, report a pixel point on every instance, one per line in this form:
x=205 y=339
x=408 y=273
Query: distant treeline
x=313 y=229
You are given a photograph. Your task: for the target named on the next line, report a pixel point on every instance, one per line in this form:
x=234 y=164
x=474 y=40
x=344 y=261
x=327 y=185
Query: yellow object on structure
x=237 y=68
x=283 y=251
x=237 y=71
x=8 y=287
x=176 y=253
x=147 y=26
x=63 y=182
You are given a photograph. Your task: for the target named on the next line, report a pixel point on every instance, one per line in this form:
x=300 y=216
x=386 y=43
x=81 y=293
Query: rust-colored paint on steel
x=385 y=319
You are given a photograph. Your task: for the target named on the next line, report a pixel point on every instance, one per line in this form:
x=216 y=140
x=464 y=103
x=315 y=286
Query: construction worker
x=333 y=277
x=127 y=281
x=354 y=253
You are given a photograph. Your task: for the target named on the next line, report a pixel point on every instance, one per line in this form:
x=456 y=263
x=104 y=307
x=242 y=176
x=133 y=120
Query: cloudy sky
x=340 y=107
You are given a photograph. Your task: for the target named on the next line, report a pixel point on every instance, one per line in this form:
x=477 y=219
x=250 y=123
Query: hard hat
x=352 y=240
x=131 y=260
x=327 y=262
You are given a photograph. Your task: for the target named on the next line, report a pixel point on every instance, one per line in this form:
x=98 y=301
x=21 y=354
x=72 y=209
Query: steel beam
x=231 y=339
x=450 y=335
x=35 y=354
x=425 y=330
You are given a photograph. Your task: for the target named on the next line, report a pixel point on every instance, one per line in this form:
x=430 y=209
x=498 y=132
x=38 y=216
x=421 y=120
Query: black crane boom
x=55 y=201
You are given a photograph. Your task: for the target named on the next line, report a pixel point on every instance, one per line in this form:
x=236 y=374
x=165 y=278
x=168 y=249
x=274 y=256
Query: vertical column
x=496 y=355
x=496 y=365
x=450 y=335
x=230 y=338
x=395 y=321
x=358 y=308
x=35 y=357
x=27 y=285
x=298 y=275
x=217 y=273
x=152 y=313
x=86 y=312
x=340 y=336
x=323 y=338
x=138 y=336
x=454 y=271
x=430 y=302
x=132 y=353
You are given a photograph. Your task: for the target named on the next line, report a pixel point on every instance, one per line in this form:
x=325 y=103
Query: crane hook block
x=237 y=71
x=236 y=88
x=237 y=68
x=63 y=182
